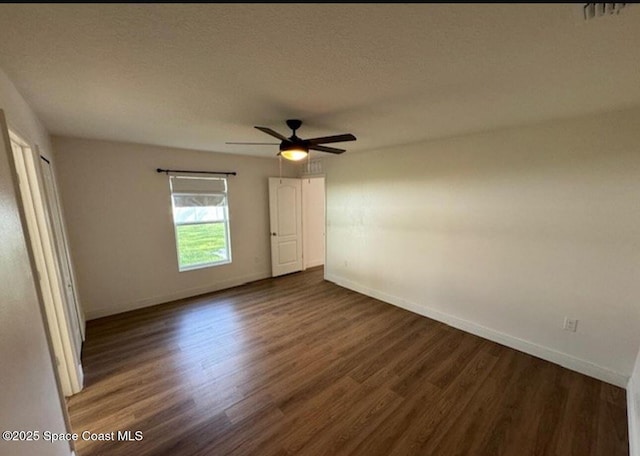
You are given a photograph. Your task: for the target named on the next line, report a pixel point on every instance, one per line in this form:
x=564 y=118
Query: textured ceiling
x=197 y=75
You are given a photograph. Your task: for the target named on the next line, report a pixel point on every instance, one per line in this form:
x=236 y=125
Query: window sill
x=203 y=266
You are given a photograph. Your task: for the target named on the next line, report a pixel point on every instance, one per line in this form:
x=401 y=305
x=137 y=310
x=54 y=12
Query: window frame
x=225 y=222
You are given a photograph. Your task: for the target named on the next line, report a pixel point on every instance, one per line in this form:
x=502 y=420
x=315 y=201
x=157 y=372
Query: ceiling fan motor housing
x=294 y=141
x=294 y=124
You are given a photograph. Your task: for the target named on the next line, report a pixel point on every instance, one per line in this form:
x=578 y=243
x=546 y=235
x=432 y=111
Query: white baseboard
x=314 y=263
x=539 y=351
x=155 y=300
x=632 y=413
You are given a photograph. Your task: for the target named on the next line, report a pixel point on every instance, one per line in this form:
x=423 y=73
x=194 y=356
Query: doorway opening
x=44 y=222
x=313 y=222
x=297 y=224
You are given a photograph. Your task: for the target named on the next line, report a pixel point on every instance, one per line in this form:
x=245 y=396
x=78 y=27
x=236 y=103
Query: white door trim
x=31 y=184
x=53 y=203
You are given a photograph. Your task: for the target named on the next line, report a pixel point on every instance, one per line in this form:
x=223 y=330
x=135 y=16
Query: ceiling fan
x=294 y=148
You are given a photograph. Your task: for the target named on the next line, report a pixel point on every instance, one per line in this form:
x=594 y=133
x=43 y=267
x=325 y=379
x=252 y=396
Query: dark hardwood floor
x=296 y=365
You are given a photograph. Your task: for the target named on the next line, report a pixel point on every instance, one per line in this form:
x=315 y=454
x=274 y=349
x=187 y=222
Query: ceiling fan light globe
x=294 y=154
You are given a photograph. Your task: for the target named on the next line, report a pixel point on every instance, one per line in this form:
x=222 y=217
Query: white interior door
x=285 y=207
x=75 y=315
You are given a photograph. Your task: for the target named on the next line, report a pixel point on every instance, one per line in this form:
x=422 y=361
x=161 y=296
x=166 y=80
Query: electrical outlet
x=570 y=324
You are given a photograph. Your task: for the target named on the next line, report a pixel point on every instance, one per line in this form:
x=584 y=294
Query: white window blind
x=197 y=185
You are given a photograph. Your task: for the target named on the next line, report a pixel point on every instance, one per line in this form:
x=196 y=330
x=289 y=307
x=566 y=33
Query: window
x=201 y=220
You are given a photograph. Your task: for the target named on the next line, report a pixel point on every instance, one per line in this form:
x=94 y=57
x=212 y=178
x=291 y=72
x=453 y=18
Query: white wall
x=120 y=226
x=633 y=409
x=29 y=396
x=503 y=234
x=313 y=222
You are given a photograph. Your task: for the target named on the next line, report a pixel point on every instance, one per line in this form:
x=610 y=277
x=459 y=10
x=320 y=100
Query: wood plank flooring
x=299 y=366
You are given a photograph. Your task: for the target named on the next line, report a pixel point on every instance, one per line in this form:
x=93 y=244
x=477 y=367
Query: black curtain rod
x=167 y=171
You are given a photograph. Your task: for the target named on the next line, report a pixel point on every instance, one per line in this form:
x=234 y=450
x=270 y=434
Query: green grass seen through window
x=201 y=244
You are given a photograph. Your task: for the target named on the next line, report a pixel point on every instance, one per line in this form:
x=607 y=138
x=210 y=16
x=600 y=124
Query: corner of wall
x=633 y=409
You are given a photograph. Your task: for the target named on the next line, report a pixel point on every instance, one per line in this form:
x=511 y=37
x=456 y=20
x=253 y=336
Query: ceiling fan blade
x=331 y=139
x=252 y=143
x=331 y=150
x=273 y=133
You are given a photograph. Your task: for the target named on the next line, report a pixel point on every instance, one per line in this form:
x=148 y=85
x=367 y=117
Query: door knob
x=273 y=234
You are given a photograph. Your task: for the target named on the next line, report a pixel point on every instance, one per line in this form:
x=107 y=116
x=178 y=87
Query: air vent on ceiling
x=594 y=10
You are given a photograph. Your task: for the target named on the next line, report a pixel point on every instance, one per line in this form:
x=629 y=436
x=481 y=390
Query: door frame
x=35 y=205
x=303 y=211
